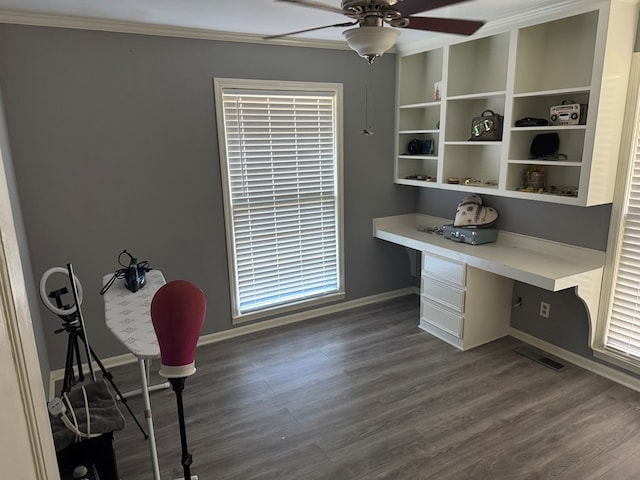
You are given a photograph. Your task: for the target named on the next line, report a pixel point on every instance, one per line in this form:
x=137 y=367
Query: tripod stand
x=73 y=327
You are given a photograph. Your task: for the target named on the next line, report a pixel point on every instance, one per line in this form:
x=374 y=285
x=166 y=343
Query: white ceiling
x=259 y=17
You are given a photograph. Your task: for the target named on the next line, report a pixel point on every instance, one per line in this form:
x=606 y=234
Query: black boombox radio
x=568 y=114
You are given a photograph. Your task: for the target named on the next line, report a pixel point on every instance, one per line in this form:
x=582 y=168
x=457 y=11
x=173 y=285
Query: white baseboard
x=306 y=315
x=110 y=362
x=118 y=360
x=578 y=360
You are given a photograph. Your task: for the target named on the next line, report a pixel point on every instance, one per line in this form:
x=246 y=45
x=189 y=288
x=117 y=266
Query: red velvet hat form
x=177 y=312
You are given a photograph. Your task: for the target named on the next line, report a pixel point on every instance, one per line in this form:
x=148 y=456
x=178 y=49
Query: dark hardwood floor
x=367 y=395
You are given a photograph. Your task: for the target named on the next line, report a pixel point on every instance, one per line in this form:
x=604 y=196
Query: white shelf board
x=551 y=163
x=418 y=157
x=552 y=128
x=421 y=105
x=545 y=197
x=557 y=91
x=473 y=96
x=470 y=142
x=415 y=183
x=432 y=130
x=471 y=188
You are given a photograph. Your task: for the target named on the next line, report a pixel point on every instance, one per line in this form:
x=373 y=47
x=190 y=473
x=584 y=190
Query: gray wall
x=32 y=294
x=115 y=146
x=568 y=323
x=584 y=226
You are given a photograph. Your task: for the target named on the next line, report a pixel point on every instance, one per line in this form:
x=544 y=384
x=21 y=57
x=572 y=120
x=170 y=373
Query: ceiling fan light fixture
x=370 y=42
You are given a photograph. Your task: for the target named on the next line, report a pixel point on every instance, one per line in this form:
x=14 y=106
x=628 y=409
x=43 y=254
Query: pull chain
x=367 y=130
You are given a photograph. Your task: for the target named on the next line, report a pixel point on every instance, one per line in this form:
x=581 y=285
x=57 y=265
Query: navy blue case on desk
x=470 y=235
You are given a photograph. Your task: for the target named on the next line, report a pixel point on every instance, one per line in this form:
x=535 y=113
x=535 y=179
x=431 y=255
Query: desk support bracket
x=588 y=290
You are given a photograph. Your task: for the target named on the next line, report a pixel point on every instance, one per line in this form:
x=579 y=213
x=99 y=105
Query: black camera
x=531 y=122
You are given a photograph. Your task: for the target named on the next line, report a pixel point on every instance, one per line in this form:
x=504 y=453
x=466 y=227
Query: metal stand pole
x=74 y=291
x=150 y=388
x=187 y=459
x=149 y=417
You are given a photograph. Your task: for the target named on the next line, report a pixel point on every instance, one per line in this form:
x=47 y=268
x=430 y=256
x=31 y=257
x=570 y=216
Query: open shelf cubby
x=474 y=161
x=420 y=72
x=538 y=104
x=478 y=65
x=571 y=142
x=421 y=117
x=406 y=138
x=416 y=167
x=461 y=111
x=558 y=178
x=557 y=54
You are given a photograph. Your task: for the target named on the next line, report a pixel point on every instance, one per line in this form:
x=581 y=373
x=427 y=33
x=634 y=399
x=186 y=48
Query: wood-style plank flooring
x=367 y=395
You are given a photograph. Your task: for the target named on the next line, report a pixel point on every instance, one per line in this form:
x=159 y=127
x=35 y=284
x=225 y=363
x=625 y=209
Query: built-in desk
x=550 y=265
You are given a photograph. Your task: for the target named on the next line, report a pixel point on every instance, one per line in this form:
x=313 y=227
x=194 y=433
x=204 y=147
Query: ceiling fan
x=370 y=39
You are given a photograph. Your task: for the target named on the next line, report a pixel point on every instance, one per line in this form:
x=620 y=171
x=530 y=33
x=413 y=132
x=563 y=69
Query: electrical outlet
x=545 y=309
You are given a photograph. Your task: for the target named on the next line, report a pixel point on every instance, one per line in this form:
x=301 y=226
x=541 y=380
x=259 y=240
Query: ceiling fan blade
x=445 y=25
x=345 y=24
x=312 y=4
x=409 y=7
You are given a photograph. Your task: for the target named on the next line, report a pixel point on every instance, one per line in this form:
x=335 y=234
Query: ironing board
x=128 y=317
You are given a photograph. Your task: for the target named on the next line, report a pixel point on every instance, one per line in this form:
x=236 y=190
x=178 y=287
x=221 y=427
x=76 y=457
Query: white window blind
x=282 y=167
x=623 y=331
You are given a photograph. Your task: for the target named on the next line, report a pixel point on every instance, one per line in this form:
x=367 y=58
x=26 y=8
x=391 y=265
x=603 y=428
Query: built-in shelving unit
x=576 y=55
x=419 y=117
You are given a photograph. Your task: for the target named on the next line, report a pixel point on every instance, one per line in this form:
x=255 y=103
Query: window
x=280 y=155
x=619 y=335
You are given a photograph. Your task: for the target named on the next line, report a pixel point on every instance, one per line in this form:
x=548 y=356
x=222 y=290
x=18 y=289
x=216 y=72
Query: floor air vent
x=540 y=357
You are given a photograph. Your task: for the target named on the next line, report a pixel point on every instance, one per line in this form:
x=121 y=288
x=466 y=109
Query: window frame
x=335 y=89
x=629 y=151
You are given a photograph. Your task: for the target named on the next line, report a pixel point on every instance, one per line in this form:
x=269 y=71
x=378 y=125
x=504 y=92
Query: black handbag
x=487 y=127
x=545 y=145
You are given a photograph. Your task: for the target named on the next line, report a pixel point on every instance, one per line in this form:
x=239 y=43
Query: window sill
x=630 y=365
x=290 y=307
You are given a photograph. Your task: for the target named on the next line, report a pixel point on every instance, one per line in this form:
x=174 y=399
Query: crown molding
x=544 y=13
x=116 y=26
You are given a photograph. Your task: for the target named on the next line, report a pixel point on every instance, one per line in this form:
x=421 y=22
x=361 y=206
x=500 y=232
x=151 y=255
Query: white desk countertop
x=543 y=263
x=550 y=265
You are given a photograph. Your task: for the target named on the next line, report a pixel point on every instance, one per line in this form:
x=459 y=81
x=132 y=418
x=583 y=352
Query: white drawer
x=448 y=295
x=450 y=322
x=444 y=269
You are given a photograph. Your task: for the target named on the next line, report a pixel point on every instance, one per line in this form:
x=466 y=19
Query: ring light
x=45 y=297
